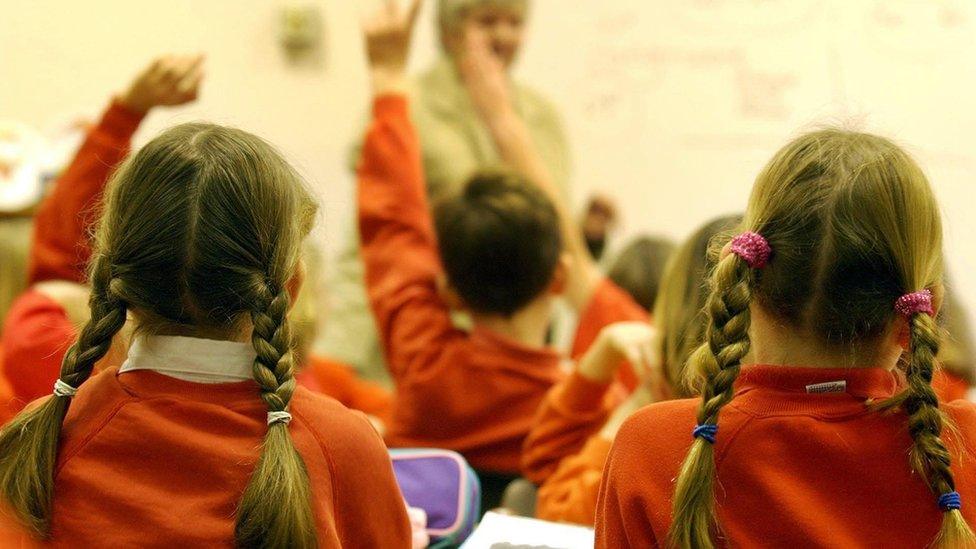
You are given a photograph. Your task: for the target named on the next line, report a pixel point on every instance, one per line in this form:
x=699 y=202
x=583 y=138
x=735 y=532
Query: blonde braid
x=29 y=443
x=275 y=510
x=929 y=456
x=718 y=360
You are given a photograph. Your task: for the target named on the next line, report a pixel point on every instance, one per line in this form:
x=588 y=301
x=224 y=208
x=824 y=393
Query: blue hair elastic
x=950 y=501
x=707 y=431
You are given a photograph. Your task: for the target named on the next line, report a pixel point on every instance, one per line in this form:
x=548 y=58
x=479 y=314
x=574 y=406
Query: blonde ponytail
x=718 y=361
x=29 y=443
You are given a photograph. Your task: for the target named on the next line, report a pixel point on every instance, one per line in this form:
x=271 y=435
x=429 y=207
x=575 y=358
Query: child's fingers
x=191 y=83
x=190 y=80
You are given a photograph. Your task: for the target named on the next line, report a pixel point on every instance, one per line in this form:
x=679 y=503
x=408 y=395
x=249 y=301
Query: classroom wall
x=676 y=104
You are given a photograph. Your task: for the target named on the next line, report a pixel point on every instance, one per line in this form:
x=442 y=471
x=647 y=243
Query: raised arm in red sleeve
x=60 y=249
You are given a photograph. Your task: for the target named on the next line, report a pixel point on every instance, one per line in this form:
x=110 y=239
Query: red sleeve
x=60 y=249
x=399 y=248
x=36 y=334
x=609 y=304
x=572 y=411
x=570 y=494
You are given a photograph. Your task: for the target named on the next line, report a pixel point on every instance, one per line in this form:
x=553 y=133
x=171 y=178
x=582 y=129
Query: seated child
x=43 y=322
x=567 y=448
x=201 y=438
x=497 y=252
x=836 y=279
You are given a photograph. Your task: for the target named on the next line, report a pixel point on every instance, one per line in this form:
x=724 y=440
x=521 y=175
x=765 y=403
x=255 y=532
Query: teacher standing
x=455 y=144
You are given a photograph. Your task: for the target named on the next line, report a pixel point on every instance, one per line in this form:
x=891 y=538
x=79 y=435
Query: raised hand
x=634 y=342
x=484 y=75
x=169 y=80
x=387 y=35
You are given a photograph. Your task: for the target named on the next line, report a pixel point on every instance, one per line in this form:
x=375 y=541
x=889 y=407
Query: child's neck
x=527 y=326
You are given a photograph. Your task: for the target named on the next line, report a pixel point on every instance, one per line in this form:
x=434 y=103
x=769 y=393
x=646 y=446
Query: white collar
x=191 y=358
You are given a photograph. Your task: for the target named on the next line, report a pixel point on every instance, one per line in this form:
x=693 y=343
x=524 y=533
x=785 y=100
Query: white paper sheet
x=498 y=531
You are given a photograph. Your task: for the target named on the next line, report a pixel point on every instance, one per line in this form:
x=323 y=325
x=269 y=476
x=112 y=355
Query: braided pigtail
x=929 y=455
x=276 y=510
x=718 y=361
x=29 y=443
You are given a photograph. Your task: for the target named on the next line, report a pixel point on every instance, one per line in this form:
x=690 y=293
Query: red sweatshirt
x=475 y=393
x=147 y=460
x=795 y=469
x=564 y=453
x=571 y=412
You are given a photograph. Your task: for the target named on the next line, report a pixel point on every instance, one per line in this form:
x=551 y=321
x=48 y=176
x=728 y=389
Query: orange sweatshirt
x=609 y=304
x=475 y=393
x=795 y=469
x=571 y=412
x=564 y=453
x=147 y=460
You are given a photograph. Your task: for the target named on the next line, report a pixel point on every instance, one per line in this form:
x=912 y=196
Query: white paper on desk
x=508 y=532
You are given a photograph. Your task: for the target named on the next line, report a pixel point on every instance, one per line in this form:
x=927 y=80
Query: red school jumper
x=147 y=460
x=475 y=393
x=795 y=469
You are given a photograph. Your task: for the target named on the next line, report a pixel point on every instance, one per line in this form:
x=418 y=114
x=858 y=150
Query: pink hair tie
x=911 y=304
x=752 y=248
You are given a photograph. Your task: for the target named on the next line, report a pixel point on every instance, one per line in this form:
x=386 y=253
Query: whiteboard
x=672 y=107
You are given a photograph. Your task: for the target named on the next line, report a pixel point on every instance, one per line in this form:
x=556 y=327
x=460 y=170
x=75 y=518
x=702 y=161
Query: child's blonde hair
x=200 y=235
x=853 y=225
x=679 y=308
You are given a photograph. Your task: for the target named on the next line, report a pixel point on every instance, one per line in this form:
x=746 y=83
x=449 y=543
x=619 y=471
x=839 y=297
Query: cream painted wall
x=671 y=106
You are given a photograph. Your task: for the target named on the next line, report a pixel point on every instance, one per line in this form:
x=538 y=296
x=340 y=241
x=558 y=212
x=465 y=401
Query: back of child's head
x=200 y=235
x=679 y=308
x=499 y=241
x=852 y=226
x=639 y=266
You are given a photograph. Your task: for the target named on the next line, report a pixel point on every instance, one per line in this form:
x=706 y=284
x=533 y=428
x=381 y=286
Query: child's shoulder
x=962 y=413
x=668 y=416
x=665 y=426
x=330 y=421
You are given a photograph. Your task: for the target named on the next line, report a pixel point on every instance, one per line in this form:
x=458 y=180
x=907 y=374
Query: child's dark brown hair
x=853 y=225
x=499 y=242
x=200 y=234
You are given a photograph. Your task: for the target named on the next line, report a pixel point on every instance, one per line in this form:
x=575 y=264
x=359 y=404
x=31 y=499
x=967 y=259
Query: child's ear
x=295 y=283
x=448 y=294
x=560 y=275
